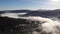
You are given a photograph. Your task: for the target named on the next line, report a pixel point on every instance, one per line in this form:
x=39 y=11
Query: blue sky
x=29 y=4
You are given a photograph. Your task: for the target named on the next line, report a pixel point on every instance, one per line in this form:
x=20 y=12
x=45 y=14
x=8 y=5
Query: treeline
x=13 y=26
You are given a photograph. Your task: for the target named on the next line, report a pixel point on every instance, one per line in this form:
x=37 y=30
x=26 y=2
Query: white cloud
x=52 y=4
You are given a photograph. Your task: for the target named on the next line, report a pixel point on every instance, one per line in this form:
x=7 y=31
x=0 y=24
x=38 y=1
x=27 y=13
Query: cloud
x=46 y=4
x=50 y=4
x=47 y=25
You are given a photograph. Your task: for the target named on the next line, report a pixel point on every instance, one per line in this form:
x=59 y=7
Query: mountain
x=42 y=13
x=10 y=25
x=49 y=13
x=14 y=11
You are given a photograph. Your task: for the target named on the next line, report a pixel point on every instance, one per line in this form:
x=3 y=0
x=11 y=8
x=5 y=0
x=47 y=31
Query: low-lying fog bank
x=46 y=25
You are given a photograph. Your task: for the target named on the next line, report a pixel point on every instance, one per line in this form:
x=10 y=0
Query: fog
x=48 y=25
x=13 y=15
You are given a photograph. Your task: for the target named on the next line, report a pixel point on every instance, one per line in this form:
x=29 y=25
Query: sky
x=29 y=4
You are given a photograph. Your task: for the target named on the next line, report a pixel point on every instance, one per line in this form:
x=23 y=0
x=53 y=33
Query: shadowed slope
x=15 y=25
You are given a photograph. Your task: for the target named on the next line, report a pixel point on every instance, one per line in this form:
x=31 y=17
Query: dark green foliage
x=14 y=25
